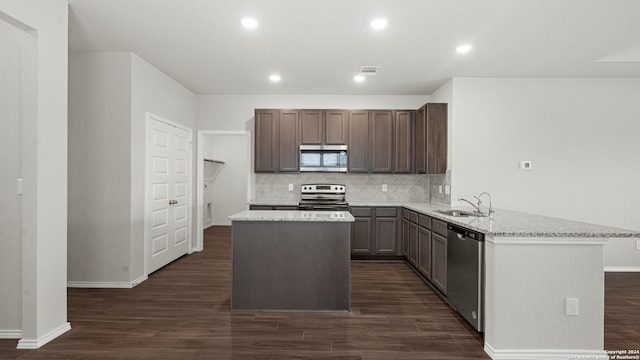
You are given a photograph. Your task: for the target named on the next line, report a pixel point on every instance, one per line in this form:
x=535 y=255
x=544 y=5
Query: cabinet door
x=361 y=236
x=420 y=142
x=336 y=127
x=385 y=239
x=311 y=127
x=358 y=152
x=402 y=144
x=289 y=149
x=381 y=141
x=413 y=244
x=424 y=251
x=405 y=238
x=436 y=138
x=266 y=140
x=439 y=262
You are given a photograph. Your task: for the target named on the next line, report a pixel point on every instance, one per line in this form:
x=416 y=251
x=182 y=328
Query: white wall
x=153 y=91
x=99 y=167
x=110 y=94
x=580 y=134
x=10 y=163
x=235 y=112
x=44 y=121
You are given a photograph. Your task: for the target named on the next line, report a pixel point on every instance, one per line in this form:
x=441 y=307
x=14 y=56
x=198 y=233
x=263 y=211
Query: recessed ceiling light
x=463 y=49
x=359 y=78
x=274 y=78
x=379 y=23
x=249 y=23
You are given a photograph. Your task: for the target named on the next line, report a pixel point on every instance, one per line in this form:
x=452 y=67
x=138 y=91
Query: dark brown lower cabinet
x=361 y=231
x=375 y=233
x=413 y=244
x=439 y=262
x=405 y=237
x=386 y=231
x=424 y=251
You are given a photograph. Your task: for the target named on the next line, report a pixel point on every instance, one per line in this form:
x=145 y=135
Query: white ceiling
x=318 y=46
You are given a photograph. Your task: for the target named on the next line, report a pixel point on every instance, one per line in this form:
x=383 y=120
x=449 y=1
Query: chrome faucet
x=490 y=211
x=477 y=207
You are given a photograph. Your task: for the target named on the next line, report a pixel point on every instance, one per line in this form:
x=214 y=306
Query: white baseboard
x=621 y=269
x=106 y=284
x=544 y=354
x=10 y=334
x=41 y=341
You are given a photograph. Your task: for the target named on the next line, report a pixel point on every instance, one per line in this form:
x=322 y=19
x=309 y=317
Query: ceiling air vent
x=369 y=70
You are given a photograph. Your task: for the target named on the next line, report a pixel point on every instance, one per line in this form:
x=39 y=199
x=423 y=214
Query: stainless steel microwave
x=323 y=158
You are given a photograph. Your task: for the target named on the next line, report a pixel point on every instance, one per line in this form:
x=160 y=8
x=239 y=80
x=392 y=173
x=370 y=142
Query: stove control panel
x=323 y=188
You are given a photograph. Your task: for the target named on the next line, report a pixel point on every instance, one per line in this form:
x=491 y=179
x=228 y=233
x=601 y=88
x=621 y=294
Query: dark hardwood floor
x=182 y=312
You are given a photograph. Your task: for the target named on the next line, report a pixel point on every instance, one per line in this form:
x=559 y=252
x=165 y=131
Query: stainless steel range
x=329 y=197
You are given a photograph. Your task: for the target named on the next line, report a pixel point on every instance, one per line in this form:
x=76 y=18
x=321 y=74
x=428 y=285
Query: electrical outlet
x=290 y=187
x=447 y=190
x=384 y=187
x=571 y=307
x=440 y=189
x=19 y=190
x=525 y=165
x=637 y=244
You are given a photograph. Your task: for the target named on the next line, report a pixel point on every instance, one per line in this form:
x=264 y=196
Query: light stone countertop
x=293 y=215
x=506 y=223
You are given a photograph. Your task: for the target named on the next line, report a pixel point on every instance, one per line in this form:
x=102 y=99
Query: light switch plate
x=571 y=307
x=19 y=187
x=384 y=187
x=637 y=244
x=290 y=187
x=525 y=165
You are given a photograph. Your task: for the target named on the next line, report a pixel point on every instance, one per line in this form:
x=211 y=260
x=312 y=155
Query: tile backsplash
x=360 y=187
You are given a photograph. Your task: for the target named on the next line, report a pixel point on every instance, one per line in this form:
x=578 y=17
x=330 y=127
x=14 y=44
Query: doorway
x=230 y=190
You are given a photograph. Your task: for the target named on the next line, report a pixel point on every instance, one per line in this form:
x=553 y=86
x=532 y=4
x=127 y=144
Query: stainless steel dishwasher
x=465 y=274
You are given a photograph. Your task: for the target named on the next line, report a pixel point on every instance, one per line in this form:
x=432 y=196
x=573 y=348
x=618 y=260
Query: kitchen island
x=291 y=260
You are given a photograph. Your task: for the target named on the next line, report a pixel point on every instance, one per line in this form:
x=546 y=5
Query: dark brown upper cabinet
x=436 y=115
x=358 y=152
x=382 y=141
x=277 y=146
x=266 y=140
x=403 y=142
x=420 y=139
x=328 y=127
x=289 y=153
x=431 y=139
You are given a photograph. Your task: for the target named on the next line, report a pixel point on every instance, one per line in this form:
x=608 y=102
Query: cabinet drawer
x=424 y=221
x=405 y=214
x=386 y=212
x=362 y=212
x=439 y=227
x=413 y=216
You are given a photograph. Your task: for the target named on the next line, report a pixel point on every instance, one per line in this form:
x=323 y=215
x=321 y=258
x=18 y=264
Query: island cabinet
x=439 y=255
x=375 y=233
x=324 y=127
x=277 y=147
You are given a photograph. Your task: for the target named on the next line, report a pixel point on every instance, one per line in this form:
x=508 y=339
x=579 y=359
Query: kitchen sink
x=459 y=213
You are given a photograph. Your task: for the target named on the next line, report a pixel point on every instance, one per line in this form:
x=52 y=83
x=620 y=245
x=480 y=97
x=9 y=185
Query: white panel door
x=169 y=164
